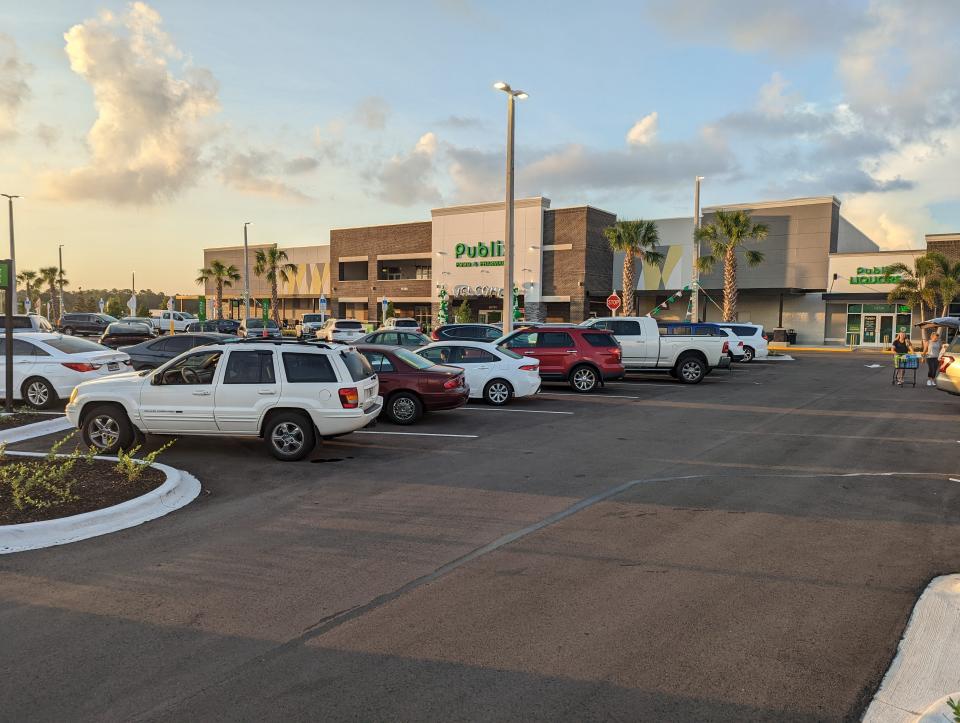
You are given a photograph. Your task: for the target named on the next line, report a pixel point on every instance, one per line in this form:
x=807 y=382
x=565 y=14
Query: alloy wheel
x=38 y=393
x=690 y=371
x=287 y=438
x=104 y=431
x=404 y=409
x=498 y=393
x=584 y=379
x=747 y=354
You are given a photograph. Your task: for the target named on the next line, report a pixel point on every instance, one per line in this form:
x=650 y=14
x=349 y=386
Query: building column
x=579 y=308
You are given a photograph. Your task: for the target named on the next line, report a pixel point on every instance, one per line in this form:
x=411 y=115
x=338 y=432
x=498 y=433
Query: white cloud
x=256 y=173
x=14 y=89
x=409 y=178
x=372 y=112
x=47 y=134
x=146 y=144
x=644 y=131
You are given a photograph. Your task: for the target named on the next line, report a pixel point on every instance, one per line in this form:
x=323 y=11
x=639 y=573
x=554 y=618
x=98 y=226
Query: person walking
x=932 y=349
x=901 y=345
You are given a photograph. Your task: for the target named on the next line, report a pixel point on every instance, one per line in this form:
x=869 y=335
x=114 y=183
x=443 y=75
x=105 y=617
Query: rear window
x=597 y=339
x=307 y=368
x=350 y=325
x=414 y=360
x=312 y=318
x=507 y=352
x=73 y=345
x=357 y=365
x=250 y=367
x=258 y=324
x=555 y=339
x=407 y=323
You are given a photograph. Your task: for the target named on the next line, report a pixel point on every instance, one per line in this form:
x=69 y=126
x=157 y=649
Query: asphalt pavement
x=749 y=548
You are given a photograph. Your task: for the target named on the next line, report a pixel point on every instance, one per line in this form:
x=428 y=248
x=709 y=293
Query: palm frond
x=754 y=258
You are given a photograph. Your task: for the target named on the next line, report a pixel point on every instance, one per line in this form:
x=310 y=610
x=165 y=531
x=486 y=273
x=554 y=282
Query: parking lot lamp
x=246 y=274
x=13 y=255
x=512 y=97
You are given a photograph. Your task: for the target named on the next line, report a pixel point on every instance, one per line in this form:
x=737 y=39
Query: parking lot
x=746 y=548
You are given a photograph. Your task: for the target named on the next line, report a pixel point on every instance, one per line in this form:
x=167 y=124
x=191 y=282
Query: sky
x=140 y=133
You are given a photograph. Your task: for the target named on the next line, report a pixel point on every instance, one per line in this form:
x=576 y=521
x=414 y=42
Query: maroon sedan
x=411 y=384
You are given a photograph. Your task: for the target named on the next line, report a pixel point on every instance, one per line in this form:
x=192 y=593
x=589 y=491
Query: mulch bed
x=20 y=418
x=96 y=485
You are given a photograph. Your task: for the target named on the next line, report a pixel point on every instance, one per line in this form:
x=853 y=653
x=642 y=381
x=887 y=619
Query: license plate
x=113 y=366
x=368 y=393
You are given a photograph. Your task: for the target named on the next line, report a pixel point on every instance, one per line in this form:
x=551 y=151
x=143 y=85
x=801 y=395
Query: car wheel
x=691 y=370
x=38 y=393
x=107 y=429
x=290 y=436
x=497 y=392
x=748 y=354
x=68 y=330
x=404 y=408
x=584 y=379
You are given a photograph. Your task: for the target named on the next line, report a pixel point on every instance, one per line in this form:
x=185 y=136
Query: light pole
x=246 y=275
x=695 y=286
x=13 y=255
x=512 y=96
x=60 y=302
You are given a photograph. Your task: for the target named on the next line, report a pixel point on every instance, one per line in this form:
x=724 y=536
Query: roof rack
x=268 y=340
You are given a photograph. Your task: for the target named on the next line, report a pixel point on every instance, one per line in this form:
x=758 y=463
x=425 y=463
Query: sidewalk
x=787 y=348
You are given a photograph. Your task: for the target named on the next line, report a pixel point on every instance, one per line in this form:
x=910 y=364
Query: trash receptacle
x=779 y=334
x=791 y=336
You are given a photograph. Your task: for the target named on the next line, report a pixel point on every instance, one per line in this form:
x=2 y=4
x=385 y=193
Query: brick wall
x=948 y=247
x=583 y=271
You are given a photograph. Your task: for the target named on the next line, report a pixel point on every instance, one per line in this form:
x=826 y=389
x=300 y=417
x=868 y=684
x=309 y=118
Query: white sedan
x=493 y=373
x=47 y=367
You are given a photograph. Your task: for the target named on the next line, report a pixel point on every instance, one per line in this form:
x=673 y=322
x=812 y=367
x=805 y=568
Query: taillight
x=726 y=347
x=766 y=338
x=453 y=383
x=81 y=366
x=529 y=367
x=349 y=398
x=616 y=353
x=435 y=335
x=945 y=361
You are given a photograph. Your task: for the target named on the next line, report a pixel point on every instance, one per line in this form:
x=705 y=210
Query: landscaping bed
x=22 y=416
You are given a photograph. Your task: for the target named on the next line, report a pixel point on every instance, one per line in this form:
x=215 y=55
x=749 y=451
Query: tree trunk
x=275 y=301
x=629 y=283
x=219 y=309
x=730 y=285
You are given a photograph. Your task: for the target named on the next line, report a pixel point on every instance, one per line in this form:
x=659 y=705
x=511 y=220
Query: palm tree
x=271 y=265
x=50 y=275
x=27 y=278
x=726 y=234
x=222 y=275
x=637 y=239
x=914 y=286
x=946 y=283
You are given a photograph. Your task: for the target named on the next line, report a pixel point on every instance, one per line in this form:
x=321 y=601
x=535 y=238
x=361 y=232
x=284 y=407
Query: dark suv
x=85 y=324
x=466 y=332
x=582 y=356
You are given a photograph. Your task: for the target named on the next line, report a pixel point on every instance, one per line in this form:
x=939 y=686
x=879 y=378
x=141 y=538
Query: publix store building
x=822 y=277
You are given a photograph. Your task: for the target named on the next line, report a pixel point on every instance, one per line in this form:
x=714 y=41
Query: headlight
x=73 y=394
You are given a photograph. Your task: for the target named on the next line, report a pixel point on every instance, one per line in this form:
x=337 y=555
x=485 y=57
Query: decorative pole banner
x=442 y=307
x=666 y=304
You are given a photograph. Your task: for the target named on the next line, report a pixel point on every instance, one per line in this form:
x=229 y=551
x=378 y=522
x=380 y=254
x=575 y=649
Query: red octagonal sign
x=613 y=302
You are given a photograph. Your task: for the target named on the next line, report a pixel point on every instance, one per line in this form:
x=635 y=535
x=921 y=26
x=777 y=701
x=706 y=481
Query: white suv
x=342 y=331
x=287 y=392
x=752 y=336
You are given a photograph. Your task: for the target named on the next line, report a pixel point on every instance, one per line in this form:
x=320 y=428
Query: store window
x=423 y=272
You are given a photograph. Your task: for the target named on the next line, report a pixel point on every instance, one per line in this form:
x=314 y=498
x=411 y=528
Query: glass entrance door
x=869 y=329
x=886 y=329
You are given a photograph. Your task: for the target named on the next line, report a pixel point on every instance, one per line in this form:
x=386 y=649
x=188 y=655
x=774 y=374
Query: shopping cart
x=905 y=362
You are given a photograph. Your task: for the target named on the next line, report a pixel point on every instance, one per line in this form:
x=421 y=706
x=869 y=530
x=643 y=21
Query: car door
x=478 y=364
x=23 y=364
x=525 y=343
x=180 y=398
x=249 y=388
x=386 y=372
x=635 y=347
x=557 y=353
x=163 y=350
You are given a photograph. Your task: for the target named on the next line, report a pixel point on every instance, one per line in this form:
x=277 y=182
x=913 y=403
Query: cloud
x=146 y=144
x=644 y=131
x=458 y=122
x=302 y=164
x=255 y=172
x=48 y=135
x=408 y=178
x=14 y=89
x=371 y=113
x=477 y=175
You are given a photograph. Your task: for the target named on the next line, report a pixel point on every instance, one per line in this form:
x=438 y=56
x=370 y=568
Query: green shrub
x=954 y=706
x=131 y=467
x=39 y=483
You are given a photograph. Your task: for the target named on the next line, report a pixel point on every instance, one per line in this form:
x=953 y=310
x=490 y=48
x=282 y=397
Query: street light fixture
x=13 y=255
x=60 y=302
x=512 y=97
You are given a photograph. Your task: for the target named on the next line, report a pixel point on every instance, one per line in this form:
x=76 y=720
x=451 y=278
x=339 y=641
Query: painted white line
x=421 y=434
x=953 y=479
x=523 y=411
x=583 y=396
x=657 y=384
x=926 y=668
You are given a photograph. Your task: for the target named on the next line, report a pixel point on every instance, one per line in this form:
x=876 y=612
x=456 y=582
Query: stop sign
x=613 y=302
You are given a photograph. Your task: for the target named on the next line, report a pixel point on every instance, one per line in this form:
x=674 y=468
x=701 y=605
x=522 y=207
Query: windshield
x=258 y=324
x=312 y=318
x=350 y=325
x=120 y=327
x=73 y=345
x=410 y=359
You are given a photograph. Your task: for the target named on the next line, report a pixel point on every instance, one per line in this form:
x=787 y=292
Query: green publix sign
x=485 y=251
x=875 y=275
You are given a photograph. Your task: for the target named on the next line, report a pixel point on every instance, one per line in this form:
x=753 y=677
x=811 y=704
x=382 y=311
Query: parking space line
x=596 y=396
x=420 y=434
x=523 y=411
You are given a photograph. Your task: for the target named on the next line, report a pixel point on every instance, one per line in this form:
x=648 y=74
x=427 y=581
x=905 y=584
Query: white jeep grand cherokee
x=287 y=392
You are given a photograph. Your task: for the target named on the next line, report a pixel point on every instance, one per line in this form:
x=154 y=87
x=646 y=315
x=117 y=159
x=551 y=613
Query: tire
x=748 y=354
x=107 y=428
x=673 y=372
x=38 y=393
x=68 y=330
x=584 y=379
x=289 y=436
x=497 y=392
x=691 y=370
x=404 y=408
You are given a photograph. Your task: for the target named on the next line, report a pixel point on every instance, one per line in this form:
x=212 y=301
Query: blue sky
x=153 y=130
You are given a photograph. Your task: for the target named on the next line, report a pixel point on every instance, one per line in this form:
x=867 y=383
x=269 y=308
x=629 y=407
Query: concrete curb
x=37 y=429
x=179 y=489
x=926 y=669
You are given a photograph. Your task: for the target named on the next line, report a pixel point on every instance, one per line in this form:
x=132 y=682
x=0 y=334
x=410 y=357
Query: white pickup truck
x=688 y=352
x=161 y=320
